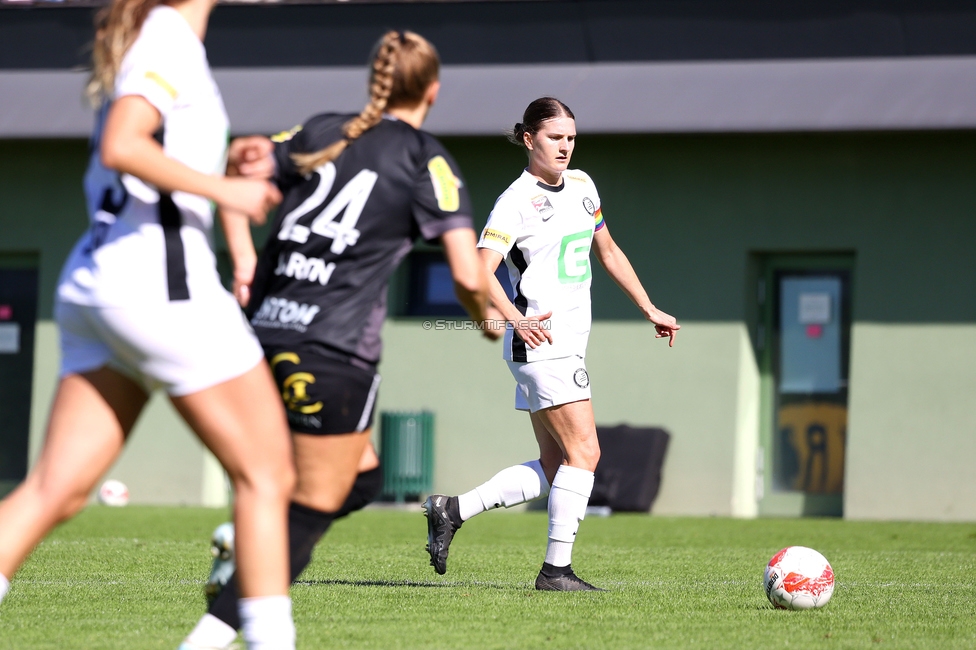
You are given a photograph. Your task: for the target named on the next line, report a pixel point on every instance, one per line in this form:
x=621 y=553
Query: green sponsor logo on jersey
x=574 y=257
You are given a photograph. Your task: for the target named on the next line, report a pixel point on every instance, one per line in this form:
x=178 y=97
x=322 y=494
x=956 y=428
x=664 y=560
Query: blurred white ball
x=113 y=493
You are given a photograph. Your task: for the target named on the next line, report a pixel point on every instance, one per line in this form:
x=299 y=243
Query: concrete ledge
x=765 y=96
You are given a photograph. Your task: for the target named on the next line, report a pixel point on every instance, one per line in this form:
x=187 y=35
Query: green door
x=804 y=351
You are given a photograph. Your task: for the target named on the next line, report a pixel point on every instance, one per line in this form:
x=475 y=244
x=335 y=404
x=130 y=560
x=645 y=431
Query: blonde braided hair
x=116 y=29
x=404 y=64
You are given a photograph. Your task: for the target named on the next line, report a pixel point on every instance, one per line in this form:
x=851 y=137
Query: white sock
x=509 y=487
x=211 y=632
x=266 y=623
x=4 y=586
x=570 y=493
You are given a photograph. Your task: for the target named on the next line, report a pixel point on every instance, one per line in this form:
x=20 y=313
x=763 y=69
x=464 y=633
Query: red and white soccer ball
x=798 y=578
x=113 y=493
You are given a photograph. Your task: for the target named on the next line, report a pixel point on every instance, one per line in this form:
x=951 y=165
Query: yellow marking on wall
x=817 y=433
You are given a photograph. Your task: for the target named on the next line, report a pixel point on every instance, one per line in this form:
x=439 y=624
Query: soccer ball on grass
x=798 y=578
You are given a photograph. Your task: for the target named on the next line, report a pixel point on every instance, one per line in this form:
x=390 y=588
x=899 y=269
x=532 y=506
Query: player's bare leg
x=241 y=421
x=327 y=467
x=368 y=483
x=550 y=453
x=573 y=427
x=90 y=420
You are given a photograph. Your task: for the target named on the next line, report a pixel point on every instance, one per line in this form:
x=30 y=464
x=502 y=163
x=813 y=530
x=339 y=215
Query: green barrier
x=407 y=454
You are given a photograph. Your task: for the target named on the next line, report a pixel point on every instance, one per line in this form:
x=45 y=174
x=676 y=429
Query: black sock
x=305 y=527
x=454 y=511
x=364 y=491
x=551 y=571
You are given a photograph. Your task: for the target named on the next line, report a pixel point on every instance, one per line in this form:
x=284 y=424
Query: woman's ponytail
x=403 y=66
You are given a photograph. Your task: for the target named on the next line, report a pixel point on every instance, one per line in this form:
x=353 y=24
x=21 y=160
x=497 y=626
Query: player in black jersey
x=358 y=190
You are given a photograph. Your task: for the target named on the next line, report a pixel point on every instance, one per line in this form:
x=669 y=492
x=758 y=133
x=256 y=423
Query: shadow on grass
x=407 y=583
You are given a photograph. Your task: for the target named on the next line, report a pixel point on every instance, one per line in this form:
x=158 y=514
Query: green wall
x=692 y=212
x=912 y=422
x=42 y=208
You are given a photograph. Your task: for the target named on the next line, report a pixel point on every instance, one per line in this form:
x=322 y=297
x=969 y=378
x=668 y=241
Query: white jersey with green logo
x=545 y=234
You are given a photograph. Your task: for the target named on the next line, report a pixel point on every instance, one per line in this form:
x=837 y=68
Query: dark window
x=18 y=318
x=431 y=287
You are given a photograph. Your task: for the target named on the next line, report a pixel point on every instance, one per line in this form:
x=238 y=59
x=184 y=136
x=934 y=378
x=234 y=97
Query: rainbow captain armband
x=598 y=219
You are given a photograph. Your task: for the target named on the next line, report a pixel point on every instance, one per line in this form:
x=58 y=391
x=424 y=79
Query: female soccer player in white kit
x=543 y=226
x=140 y=306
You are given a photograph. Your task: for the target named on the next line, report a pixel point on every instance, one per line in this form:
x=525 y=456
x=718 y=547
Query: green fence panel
x=407 y=453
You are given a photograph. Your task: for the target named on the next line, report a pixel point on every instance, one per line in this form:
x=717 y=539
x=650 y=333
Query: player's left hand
x=251 y=156
x=665 y=325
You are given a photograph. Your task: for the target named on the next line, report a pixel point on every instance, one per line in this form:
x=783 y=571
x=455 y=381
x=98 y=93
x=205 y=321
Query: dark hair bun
x=542 y=109
x=517 y=134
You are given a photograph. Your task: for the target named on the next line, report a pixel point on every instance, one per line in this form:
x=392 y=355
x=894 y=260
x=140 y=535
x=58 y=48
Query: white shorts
x=181 y=346
x=549 y=382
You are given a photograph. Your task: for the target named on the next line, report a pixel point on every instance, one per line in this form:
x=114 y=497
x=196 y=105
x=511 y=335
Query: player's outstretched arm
x=527 y=328
x=128 y=147
x=619 y=268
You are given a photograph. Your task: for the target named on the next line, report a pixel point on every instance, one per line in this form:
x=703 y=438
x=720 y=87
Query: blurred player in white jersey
x=543 y=226
x=140 y=305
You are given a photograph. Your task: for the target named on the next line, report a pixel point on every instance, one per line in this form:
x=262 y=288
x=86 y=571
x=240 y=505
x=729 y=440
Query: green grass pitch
x=132 y=578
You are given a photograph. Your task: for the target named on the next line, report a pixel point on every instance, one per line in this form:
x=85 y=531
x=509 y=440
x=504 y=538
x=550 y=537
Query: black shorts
x=324 y=393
